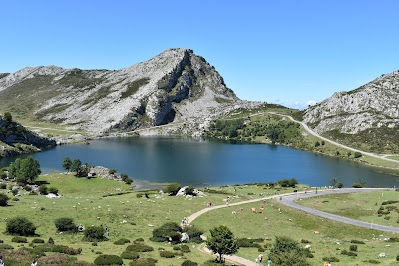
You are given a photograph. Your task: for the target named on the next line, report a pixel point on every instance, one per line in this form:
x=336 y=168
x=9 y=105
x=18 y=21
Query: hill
x=366 y=118
x=174 y=86
x=16 y=139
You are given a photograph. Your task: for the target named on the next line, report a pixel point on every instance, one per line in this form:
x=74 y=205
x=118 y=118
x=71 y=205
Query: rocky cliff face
x=173 y=86
x=374 y=105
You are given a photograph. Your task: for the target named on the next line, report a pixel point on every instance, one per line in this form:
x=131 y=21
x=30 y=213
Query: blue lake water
x=205 y=162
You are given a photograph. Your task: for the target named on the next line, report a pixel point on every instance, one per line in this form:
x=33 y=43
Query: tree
x=53 y=190
x=67 y=163
x=84 y=170
x=20 y=226
x=75 y=167
x=287 y=251
x=13 y=168
x=172 y=189
x=43 y=190
x=65 y=225
x=222 y=241
x=29 y=170
x=333 y=182
x=340 y=185
x=4 y=200
x=317 y=144
x=8 y=117
x=95 y=234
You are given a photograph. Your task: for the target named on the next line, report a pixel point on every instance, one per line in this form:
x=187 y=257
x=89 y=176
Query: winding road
x=288 y=200
x=333 y=142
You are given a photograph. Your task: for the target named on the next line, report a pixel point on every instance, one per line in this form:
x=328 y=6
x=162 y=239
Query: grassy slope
x=87 y=196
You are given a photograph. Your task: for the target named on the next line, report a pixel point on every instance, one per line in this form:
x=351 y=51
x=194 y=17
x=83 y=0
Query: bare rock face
x=374 y=105
x=174 y=86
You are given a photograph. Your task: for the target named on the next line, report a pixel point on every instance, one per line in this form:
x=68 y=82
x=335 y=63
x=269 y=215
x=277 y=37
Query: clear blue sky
x=275 y=51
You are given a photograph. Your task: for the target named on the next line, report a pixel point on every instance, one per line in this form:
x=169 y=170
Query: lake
x=202 y=162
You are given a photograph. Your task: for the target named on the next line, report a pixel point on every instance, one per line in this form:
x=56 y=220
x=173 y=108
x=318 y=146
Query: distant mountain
x=367 y=117
x=16 y=139
x=174 y=86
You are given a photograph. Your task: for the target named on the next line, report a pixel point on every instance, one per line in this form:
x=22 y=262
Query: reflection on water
x=198 y=161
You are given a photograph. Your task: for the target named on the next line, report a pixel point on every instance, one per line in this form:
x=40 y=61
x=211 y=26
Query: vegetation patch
x=133 y=87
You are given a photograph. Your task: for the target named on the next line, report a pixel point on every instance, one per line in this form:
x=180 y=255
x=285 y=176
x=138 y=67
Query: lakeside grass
x=99 y=197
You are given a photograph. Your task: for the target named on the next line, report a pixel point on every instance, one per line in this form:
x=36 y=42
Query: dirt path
x=333 y=142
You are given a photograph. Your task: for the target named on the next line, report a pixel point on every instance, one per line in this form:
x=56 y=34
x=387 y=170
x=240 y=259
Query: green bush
x=357 y=154
x=121 y=241
x=108 y=260
x=189 y=263
x=50 y=241
x=139 y=248
x=43 y=190
x=173 y=188
x=249 y=243
x=397 y=257
x=194 y=233
x=14 y=191
x=65 y=225
x=185 y=248
x=357 y=185
x=168 y=230
x=19 y=239
x=189 y=191
x=353 y=247
x=53 y=190
x=140 y=239
x=5 y=246
x=130 y=255
x=354 y=241
x=95 y=234
x=4 y=200
x=20 y=226
x=128 y=181
x=288 y=182
x=167 y=254
x=3 y=186
x=144 y=262
x=305 y=241
x=111 y=171
x=330 y=259
x=124 y=177
x=38 y=241
x=372 y=261
x=28 y=188
x=348 y=253
x=340 y=185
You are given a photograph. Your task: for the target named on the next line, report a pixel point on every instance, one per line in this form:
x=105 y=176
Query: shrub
x=94 y=244
x=373 y=261
x=189 y=191
x=124 y=177
x=95 y=234
x=185 y=249
x=50 y=241
x=354 y=241
x=248 y=243
x=128 y=180
x=53 y=190
x=108 y=260
x=189 y=263
x=143 y=262
x=139 y=248
x=65 y=225
x=3 y=186
x=111 y=171
x=43 y=190
x=19 y=239
x=317 y=144
x=28 y=188
x=140 y=239
x=130 y=255
x=357 y=185
x=397 y=257
x=167 y=254
x=5 y=246
x=20 y=226
x=353 y=247
x=4 y=200
x=330 y=259
x=288 y=182
x=194 y=234
x=122 y=241
x=389 y=202
x=172 y=189
x=357 y=154
x=14 y=191
x=348 y=253
x=305 y=241
x=340 y=185
x=38 y=241
x=168 y=230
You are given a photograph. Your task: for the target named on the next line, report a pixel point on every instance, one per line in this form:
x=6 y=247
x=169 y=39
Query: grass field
x=86 y=199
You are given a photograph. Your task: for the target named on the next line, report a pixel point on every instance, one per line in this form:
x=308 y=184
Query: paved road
x=333 y=142
x=288 y=200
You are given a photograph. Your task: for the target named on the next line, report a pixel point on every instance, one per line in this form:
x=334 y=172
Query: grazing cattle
x=261 y=208
x=253 y=210
x=316 y=232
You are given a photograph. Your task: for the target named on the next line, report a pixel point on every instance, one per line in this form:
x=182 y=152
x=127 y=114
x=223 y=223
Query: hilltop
x=174 y=86
x=365 y=118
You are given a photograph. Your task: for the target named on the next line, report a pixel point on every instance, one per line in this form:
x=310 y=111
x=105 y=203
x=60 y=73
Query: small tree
x=4 y=200
x=333 y=182
x=287 y=251
x=317 y=144
x=43 y=190
x=173 y=188
x=67 y=163
x=8 y=117
x=75 y=167
x=65 y=225
x=111 y=171
x=29 y=170
x=20 y=226
x=222 y=241
x=340 y=185
x=95 y=234
x=190 y=191
x=53 y=190
x=357 y=154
